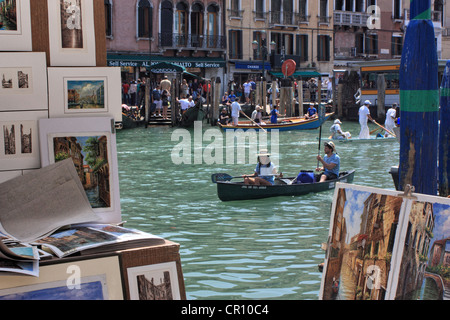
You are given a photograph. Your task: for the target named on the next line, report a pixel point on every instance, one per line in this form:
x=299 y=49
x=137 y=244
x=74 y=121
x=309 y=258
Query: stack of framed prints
x=386 y=246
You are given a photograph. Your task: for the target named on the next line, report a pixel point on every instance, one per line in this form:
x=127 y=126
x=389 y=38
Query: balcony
x=436 y=16
x=280 y=18
x=191 y=42
x=351 y=19
x=235 y=13
x=323 y=19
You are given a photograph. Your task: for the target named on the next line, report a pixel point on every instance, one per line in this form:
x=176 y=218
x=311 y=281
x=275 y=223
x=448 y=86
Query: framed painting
x=88 y=279
x=72 y=33
x=23 y=79
x=154 y=282
x=75 y=92
x=91 y=143
x=19 y=140
x=15 y=25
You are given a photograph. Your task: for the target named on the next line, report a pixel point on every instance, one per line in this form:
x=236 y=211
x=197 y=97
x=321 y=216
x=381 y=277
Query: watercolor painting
x=85 y=94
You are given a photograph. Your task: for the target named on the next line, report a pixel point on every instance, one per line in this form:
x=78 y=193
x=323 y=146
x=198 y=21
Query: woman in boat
x=265 y=171
x=331 y=163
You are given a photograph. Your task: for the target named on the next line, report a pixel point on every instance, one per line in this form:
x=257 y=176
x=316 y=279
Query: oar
x=374 y=130
x=226 y=177
x=391 y=133
x=254 y=122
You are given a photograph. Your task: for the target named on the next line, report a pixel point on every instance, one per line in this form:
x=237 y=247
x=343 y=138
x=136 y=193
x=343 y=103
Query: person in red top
x=125 y=95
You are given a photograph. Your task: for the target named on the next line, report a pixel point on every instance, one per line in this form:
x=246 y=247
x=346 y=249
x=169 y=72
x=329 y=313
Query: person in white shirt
x=235 y=111
x=186 y=104
x=337 y=132
x=247 y=89
x=389 y=123
x=364 y=115
x=257 y=115
x=265 y=171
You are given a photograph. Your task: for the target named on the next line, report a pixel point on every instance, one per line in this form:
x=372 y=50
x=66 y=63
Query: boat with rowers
x=229 y=191
x=284 y=124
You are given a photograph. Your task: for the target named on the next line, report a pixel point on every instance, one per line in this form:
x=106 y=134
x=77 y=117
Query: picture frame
x=385 y=245
x=91 y=142
x=23 y=85
x=68 y=279
x=19 y=140
x=71 y=33
x=16 y=35
x=76 y=92
x=142 y=281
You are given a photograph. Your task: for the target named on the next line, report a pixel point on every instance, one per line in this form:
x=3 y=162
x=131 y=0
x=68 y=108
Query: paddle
x=391 y=133
x=226 y=177
x=254 y=122
x=373 y=131
x=321 y=121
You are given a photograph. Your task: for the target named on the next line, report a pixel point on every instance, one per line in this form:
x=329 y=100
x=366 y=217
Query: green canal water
x=256 y=249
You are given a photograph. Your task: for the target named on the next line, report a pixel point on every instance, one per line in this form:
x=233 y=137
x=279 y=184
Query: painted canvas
x=91 y=158
x=15 y=25
x=86 y=95
x=8 y=15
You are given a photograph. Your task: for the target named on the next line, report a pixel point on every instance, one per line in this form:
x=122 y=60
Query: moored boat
x=284 y=124
x=229 y=191
x=371 y=139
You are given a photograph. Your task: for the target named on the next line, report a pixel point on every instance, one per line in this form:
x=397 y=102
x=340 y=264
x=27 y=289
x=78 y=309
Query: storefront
x=136 y=66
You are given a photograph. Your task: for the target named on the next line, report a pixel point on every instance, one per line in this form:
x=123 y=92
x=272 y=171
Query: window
x=302 y=8
x=397 y=46
x=212 y=26
x=197 y=25
x=181 y=25
x=257 y=53
x=145 y=20
x=323 y=48
x=371 y=44
x=108 y=18
x=259 y=9
x=397 y=12
x=323 y=8
x=166 y=24
x=235 y=44
x=235 y=8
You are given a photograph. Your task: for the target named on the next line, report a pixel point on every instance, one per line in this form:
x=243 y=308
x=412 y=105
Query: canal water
x=255 y=249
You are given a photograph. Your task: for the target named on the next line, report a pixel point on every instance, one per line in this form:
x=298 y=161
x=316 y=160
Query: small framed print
x=23 y=83
x=91 y=143
x=154 y=282
x=75 y=92
x=72 y=32
x=19 y=140
x=99 y=279
x=15 y=25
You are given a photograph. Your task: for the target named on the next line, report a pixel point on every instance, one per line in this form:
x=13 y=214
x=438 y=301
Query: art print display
x=23 y=79
x=75 y=92
x=15 y=25
x=154 y=282
x=92 y=147
x=19 y=140
x=98 y=279
x=72 y=34
x=386 y=245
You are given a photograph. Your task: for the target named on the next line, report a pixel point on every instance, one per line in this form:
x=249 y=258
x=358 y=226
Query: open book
x=387 y=245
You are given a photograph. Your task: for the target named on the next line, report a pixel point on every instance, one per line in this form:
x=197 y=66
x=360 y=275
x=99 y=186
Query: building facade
x=190 y=33
x=298 y=30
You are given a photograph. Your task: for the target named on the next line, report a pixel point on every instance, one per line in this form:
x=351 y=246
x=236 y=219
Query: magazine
x=386 y=245
x=95 y=238
x=22 y=259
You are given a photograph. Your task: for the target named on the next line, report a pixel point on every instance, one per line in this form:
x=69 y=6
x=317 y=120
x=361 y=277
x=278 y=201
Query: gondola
x=284 y=124
x=229 y=191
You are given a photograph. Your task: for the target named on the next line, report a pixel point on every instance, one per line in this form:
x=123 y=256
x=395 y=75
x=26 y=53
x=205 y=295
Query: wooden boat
x=192 y=114
x=371 y=139
x=284 y=124
x=228 y=191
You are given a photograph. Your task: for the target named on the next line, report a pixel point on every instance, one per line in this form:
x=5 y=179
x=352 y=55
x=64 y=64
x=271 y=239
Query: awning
x=193 y=75
x=144 y=60
x=164 y=67
x=303 y=74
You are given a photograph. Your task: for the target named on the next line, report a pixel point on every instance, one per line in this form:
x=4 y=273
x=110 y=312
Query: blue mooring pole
x=444 y=134
x=419 y=102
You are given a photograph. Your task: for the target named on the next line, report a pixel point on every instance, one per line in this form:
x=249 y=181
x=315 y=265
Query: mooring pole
x=419 y=102
x=444 y=134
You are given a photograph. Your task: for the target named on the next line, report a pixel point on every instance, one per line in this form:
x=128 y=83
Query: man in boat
x=235 y=111
x=337 y=132
x=185 y=104
x=265 y=171
x=364 y=115
x=389 y=123
x=224 y=118
x=257 y=115
x=330 y=163
x=311 y=112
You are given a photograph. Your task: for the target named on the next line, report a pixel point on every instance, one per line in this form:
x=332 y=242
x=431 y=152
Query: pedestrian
x=125 y=94
x=194 y=89
x=133 y=92
x=364 y=115
x=389 y=123
x=165 y=96
x=329 y=89
x=165 y=84
x=156 y=96
x=231 y=97
x=247 y=88
x=235 y=111
x=184 y=89
x=330 y=163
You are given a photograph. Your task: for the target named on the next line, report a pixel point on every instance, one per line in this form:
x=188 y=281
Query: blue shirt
x=334 y=158
x=274 y=116
x=312 y=111
x=232 y=97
